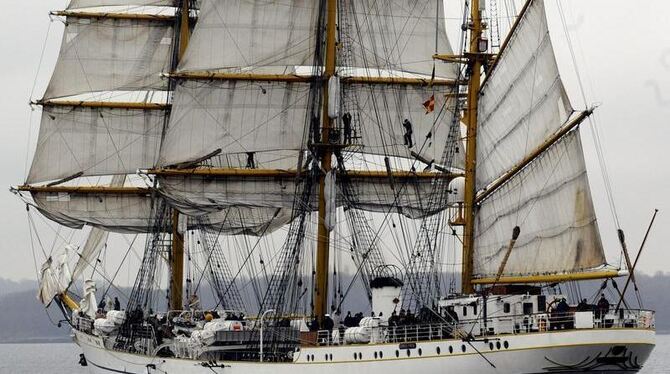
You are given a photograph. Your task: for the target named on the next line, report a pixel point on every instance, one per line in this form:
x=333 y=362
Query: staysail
x=521 y=105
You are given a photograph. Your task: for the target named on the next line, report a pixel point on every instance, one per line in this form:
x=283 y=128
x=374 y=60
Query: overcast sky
x=623 y=50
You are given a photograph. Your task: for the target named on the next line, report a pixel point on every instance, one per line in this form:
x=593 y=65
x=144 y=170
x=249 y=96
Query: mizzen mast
x=475 y=60
x=323 y=236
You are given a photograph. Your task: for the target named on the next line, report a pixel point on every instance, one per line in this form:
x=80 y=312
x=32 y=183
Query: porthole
x=491 y=346
x=463 y=347
x=397 y=353
x=506 y=344
x=360 y=356
x=376 y=354
x=326 y=357
x=381 y=354
x=498 y=345
x=451 y=349
x=437 y=350
x=409 y=353
x=420 y=352
x=355 y=356
x=307 y=358
x=331 y=357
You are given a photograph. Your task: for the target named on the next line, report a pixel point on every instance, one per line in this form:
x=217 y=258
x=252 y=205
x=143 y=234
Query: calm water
x=63 y=358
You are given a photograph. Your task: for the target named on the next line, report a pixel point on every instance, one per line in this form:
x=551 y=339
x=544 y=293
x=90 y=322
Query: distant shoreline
x=45 y=340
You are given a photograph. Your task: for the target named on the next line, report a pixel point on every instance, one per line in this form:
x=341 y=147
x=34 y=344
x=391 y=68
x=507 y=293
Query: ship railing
x=549 y=321
x=493 y=325
x=83 y=324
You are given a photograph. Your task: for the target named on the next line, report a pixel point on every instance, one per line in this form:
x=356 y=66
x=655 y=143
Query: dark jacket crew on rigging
x=408 y=133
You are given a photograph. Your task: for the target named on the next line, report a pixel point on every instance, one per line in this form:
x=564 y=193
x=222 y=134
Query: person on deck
x=603 y=306
x=117 y=304
x=583 y=306
x=349 y=320
x=408 y=133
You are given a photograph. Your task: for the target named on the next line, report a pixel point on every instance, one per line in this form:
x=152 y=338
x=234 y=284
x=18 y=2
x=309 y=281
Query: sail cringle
x=550 y=201
x=105 y=54
x=379 y=111
x=523 y=101
x=77 y=4
x=395 y=36
x=241 y=35
x=95 y=141
x=266 y=119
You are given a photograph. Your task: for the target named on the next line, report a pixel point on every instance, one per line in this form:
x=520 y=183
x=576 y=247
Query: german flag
x=429 y=105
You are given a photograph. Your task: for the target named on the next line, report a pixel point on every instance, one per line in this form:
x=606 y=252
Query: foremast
x=177 y=248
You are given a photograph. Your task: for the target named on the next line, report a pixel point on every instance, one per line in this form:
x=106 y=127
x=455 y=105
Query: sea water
x=63 y=358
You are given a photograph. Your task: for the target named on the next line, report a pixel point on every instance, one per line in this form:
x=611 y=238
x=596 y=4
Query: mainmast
x=323 y=239
x=177 y=250
x=475 y=58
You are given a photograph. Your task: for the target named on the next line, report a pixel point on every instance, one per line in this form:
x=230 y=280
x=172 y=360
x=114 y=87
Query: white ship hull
x=575 y=351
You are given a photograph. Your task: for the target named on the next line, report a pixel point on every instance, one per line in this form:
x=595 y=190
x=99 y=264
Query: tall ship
x=355 y=191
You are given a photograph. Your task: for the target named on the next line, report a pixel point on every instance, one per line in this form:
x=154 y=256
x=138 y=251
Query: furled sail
x=76 y=4
x=551 y=202
x=250 y=36
x=392 y=37
x=108 y=54
x=523 y=101
x=95 y=141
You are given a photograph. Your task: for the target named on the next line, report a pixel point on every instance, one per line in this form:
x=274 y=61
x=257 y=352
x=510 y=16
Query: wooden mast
x=177 y=248
x=476 y=58
x=323 y=238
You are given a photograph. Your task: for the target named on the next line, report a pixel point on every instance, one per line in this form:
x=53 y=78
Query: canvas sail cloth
x=270 y=120
x=55 y=275
x=397 y=39
x=104 y=54
x=522 y=103
x=95 y=141
x=102 y=59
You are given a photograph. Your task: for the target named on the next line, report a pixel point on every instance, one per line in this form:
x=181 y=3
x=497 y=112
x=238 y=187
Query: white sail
x=241 y=35
x=523 y=101
x=96 y=240
x=76 y=4
x=551 y=203
x=396 y=36
x=95 y=141
x=380 y=110
x=105 y=54
x=132 y=214
x=123 y=213
x=238 y=118
x=197 y=195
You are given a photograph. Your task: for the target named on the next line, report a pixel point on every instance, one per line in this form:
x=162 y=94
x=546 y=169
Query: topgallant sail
x=264 y=148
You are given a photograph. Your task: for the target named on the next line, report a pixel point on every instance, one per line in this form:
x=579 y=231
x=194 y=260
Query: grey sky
x=623 y=50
